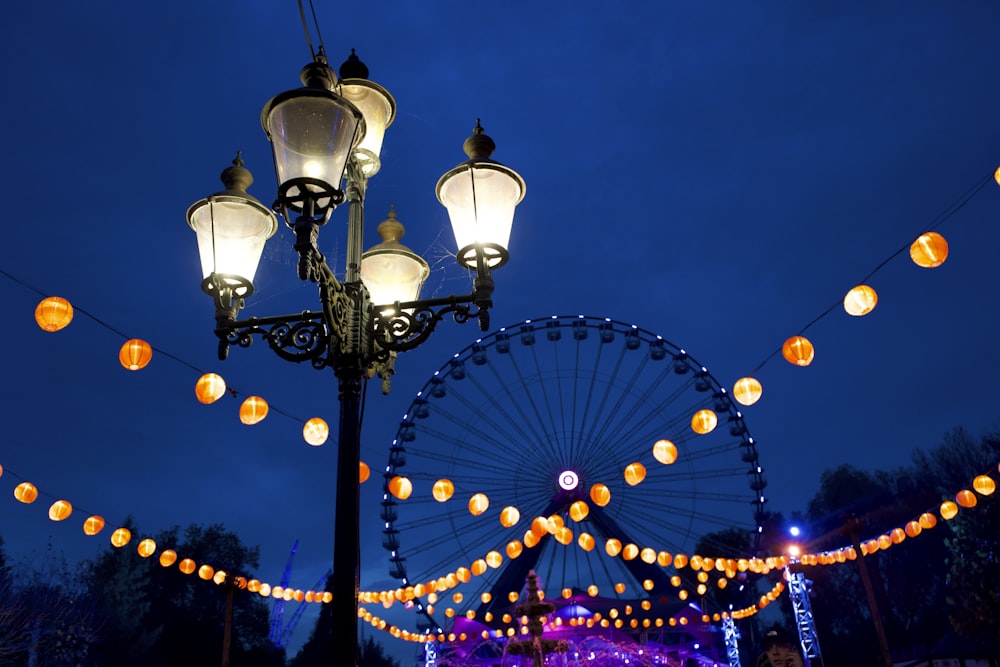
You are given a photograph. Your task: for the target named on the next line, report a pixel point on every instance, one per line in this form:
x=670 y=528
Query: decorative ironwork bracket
x=348 y=332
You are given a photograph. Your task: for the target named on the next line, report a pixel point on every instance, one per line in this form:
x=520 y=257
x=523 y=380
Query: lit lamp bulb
x=232 y=227
x=377 y=107
x=480 y=196
x=313 y=132
x=391 y=271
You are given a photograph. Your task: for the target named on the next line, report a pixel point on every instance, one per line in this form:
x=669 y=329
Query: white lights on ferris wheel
x=568 y=480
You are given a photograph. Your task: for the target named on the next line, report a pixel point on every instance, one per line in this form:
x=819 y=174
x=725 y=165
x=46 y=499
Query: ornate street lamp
x=322 y=133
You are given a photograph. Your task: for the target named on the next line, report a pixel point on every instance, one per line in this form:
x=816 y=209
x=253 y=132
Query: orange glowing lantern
x=680 y=561
x=929 y=250
x=514 y=548
x=135 y=354
x=539 y=526
x=53 y=313
x=187 y=566
x=316 y=431
x=564 y=535
x=592 y=590
x=747 y=390
x=478 y=566
x=60 y=510
x=253 y=410
x=146 y=548
x=531 y=539
x=494 y=559
x=949 y=510
x=913 y=528
x=579 y=510
x=206 y=572
x=92 y=525
x=927 y=520
x=209 y=388
x=121 y=537
x=966 y=498
x=634 y=473
x=363 y=472
x=443 y=490
x=665 y=452
x=168 y=558
x=984 y=485
x=704 y=421
x=26 y=492
x=586 y=541
x=860 y=300
x=567 y=593
x=630 y=551
x=798 y=350
x=401 y=487
x=600 y=495
x=478 y=504
x=509 y=516
x=613 y=547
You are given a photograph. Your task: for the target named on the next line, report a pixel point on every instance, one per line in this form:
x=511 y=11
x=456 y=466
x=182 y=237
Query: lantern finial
x=391 y=229
x=318 y=73
x=236 y=177
x=353 y=68
x=479 y=146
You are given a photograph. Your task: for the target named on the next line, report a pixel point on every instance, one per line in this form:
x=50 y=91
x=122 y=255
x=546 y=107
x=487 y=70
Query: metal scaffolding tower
x=798 y=592
x=732 y=636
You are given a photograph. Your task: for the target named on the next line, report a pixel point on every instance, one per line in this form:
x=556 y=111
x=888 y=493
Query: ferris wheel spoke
x=610 y=384
x=615 y=415
x=640 y=411
x=542 y=441
x=494 y=433
x=552 y=434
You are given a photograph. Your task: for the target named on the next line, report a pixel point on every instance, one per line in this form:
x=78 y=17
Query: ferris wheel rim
x=541 y=325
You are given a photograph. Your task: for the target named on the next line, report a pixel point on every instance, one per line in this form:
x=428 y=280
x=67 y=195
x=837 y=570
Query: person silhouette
x=779 y=649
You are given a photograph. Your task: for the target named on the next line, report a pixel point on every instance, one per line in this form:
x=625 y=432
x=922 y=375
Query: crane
x=279 y=632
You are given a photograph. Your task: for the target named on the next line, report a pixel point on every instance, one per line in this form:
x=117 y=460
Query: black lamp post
x=321 y=133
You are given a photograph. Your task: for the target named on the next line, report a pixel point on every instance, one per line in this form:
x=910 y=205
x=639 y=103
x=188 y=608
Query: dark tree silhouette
x=162 y=617
x=318 y=650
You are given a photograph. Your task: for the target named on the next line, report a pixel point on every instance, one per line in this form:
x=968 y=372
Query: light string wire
x=984 y=485
x=235 y=393
x=305 y=29
x=940 y=219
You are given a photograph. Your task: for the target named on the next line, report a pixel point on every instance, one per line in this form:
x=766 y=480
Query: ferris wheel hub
x=568 y=480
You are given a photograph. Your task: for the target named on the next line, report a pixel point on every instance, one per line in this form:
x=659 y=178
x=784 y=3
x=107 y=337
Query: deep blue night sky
x=719 y=174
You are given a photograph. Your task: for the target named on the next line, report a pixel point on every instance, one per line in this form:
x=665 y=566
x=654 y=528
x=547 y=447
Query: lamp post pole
x=347 y=522
x=318 y=133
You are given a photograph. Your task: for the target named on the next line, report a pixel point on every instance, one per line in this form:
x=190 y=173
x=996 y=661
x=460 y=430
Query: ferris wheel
x=585 y=449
